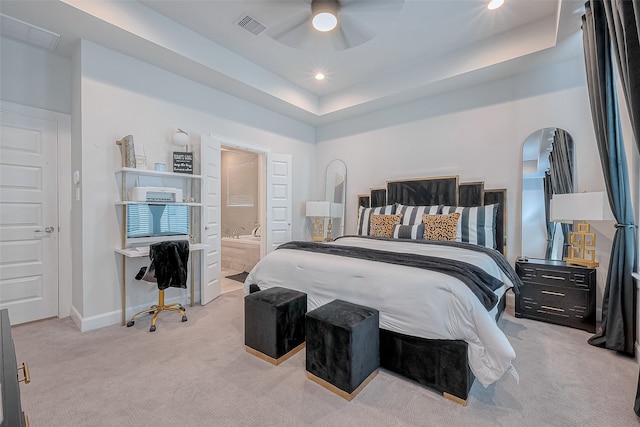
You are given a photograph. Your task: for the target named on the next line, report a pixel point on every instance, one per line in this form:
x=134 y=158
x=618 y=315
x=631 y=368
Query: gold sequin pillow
x=382 y=225
x=440 y=227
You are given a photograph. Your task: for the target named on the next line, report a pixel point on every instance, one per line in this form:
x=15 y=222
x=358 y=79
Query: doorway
x=35 y=281
x=242 y=210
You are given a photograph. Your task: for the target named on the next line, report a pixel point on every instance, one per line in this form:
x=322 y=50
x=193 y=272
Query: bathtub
x=240 y=254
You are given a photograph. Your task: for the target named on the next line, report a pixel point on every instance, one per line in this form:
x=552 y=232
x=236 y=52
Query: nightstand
x=555 y=292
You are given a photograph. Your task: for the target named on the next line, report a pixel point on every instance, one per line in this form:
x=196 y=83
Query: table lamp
x=318 y=210
x=581 y=207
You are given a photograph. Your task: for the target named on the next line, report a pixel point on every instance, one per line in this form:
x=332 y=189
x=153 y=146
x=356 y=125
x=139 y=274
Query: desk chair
x=168 y=268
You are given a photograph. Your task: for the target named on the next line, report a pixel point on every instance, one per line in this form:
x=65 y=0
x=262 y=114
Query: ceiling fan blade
x=355 y=31
x=290 y=26
x=371 y=5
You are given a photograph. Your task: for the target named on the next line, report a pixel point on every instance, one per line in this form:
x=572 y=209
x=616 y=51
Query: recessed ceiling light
x=494 y=4
x=319 y=76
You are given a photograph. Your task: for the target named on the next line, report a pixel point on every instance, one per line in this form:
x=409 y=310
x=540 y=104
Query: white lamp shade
x=181 y=138
x=580 y=206
x=318 y=208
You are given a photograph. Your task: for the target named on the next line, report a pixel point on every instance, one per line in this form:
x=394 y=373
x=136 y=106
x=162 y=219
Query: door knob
x=47 y=229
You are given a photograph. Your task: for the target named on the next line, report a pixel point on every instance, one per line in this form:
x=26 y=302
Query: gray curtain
x=617 y=331
x=623 y=19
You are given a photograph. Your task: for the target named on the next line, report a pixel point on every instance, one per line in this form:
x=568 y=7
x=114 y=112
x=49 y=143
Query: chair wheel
x=152 y=328
x=184 y=318
x=130 y=323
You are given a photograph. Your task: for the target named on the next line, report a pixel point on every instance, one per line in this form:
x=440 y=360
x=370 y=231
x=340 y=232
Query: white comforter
x=411 y=301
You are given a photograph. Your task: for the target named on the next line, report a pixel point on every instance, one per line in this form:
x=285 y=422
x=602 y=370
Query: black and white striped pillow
x=476 y=225
x=364 y=217
x=413 y=214
x=414 y=232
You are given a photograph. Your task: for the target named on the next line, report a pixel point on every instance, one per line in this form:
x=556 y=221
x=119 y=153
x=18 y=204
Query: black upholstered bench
x=343 y=346
x=274 y=323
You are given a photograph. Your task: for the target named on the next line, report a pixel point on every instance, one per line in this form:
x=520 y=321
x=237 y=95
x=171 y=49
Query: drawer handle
x=25 y=371
x=558 y=294
x=546 y=276
x=552 y=308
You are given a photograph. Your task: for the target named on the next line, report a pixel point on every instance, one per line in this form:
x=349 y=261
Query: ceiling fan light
x=324 y=21
x=494 y=4
x=324 y=14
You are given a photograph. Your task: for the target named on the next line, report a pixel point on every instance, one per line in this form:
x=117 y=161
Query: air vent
x=250 y=24
x=29 y=33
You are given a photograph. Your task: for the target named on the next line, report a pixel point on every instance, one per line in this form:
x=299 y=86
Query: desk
x=134 y=253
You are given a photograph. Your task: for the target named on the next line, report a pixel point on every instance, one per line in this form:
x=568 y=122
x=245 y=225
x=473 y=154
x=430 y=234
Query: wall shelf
x=152 y=172
x=127 y=202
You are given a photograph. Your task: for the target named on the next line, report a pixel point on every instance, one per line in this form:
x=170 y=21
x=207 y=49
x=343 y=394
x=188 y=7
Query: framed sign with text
x=183 y=162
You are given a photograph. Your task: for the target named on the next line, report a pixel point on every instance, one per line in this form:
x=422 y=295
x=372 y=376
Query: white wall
x=122 y=96
x=34 y=77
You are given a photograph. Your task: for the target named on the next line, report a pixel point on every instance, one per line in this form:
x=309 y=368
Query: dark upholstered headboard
x=442 y=190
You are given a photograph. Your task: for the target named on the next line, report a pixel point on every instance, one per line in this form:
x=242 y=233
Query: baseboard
x=75 y=316
x=113 y=317
x=96 y=322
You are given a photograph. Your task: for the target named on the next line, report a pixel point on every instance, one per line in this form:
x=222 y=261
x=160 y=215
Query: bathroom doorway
x=242 y=213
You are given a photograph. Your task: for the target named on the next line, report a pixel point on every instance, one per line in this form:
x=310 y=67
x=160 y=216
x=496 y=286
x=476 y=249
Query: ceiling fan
x=356 y=21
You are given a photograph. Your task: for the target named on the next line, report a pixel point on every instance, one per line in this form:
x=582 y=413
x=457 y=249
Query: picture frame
x=183 y=162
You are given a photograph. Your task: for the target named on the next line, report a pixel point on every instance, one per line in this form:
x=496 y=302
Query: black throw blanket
x=495 y=255
x=169 y=259
x=477 y=280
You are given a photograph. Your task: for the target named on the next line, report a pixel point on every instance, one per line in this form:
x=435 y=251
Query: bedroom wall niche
x=335 y=193
x=539 y=164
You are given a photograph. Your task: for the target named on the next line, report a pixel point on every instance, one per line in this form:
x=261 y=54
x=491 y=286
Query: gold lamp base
x=329 y=229
x=582 y=251
x=317 y=233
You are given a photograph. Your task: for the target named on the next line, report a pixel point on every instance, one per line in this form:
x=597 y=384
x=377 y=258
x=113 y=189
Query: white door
x=28 y=217
x=279 y=182
x=210 y=283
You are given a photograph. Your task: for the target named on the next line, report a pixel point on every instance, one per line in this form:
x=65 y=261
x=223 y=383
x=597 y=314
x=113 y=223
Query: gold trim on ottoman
x=338 y=391
x=270 y=359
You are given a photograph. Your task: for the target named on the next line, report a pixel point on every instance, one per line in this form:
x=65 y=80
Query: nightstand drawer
x=555 y=301
x=564 y=277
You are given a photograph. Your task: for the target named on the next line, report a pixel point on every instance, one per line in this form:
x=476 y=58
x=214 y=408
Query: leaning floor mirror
x=548 y=168
x=335 y=193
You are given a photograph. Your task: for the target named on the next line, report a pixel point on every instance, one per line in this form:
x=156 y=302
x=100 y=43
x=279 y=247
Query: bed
x=438 y=300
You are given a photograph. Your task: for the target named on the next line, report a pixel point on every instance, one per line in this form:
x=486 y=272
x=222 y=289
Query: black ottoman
x=274 y=323
x=343 y=346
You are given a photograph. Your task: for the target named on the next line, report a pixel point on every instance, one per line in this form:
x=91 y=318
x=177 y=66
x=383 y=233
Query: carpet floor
x=197 y=373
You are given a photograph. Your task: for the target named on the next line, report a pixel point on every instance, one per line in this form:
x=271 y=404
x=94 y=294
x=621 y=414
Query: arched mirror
x=335 y=193
x=548 y=168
